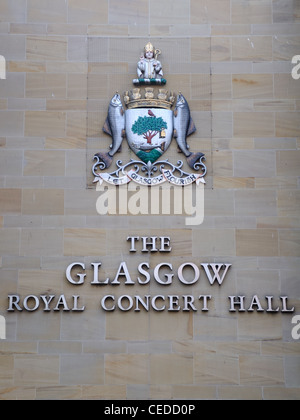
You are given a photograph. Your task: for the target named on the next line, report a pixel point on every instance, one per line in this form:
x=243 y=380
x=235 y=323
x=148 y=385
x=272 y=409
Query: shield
x=149 y=131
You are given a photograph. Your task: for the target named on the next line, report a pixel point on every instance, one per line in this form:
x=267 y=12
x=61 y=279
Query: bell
x=162 y=134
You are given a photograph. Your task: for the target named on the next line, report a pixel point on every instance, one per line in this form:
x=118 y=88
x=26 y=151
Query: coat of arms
x=149 y=125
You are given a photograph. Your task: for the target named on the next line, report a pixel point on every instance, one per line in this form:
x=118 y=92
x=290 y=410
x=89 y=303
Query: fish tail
x=193 y=158
x=105 y=158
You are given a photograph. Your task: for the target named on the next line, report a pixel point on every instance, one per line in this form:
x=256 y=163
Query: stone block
x=251 y=12
x=46 y=201
x=84 y=369
x=43 y=11
x=10 y=200
x=123 y=369
x=288 y=203
x=216 y=369
x=45 y=123
x=289 y=243
x=253 y=124
x=171 y=12
x=252 y=48
x=261 y=370
x=255 y=203
x=7 y=370
x=36 y=370
x=84 y=241
x=260 y=242
x=13 y=11
x=12 y=123
x=41 y=48
x=38 y=242
x=171 y=369
x=288 y=162
x=281 y=393
x=130 y=326
x=9 y=241
x=285 y=11
x=252 y=86
x=91 y=12
x=105 y=392
x=58 y=392
x=13 y=47
x=43 y=85
x=239 y=393
x=44 y=163
x=213 y=242
x=257 y=327
x=287 y=124
x=210 y=11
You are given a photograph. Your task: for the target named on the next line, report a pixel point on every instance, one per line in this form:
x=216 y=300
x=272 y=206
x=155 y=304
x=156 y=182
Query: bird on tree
x=150 y=113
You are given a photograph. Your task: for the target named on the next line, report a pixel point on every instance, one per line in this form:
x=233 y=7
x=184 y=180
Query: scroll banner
x=182 y=181
x=113 y=180
x=142 y=180
x=166 y=175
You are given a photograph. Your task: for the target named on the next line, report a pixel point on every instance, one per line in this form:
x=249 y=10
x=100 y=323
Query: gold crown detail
x=134 y=99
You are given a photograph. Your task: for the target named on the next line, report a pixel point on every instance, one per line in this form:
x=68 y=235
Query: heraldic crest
x=149 y=125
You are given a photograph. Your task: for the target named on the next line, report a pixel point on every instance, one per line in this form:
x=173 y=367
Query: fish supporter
x=115 y=127
x=183 y=127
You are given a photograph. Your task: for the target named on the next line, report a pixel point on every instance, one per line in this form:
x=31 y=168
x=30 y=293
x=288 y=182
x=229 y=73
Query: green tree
x=148 y=127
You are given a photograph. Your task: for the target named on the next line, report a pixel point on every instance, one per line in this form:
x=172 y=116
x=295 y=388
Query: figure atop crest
x=148 y=123
x=149 y=68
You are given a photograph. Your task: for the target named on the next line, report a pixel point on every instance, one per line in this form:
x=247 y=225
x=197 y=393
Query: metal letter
x=216 y=270
x=124 y=273
x=133 y=238
x=255 y=301
x=205 y=297
x=96 y=278
x=165 y=241
x=196 y=271
x=153 y=303
x=46 y=302
x=144 y=304
x=120 y=303
x=37 y=303
x=13 y=301
x=152 y=243
x=80 y=275
x=234 y=302
x=144 y=272
x=173 y=301
x=188 y=300
x=75 y=308
x=61 y=301
x=103 y=301
x=284 y=304
x=270 y=309
x=168 y=276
